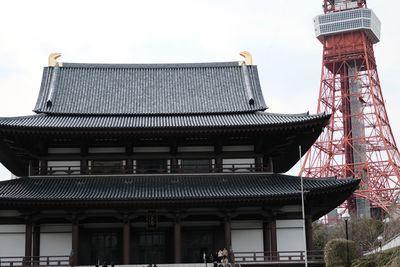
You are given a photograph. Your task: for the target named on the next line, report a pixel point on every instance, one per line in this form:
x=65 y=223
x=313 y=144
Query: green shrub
x=335 y=253
x=320 y=236
x=388 y=258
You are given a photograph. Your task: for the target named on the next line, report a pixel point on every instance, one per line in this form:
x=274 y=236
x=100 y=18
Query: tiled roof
x=126 y=89
x=167 y=187
x=178 y=121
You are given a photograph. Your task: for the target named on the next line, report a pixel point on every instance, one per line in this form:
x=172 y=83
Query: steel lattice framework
x=358 y=141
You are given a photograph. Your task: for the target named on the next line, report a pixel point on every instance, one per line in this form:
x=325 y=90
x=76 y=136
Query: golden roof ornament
x=248 y=59
x=53 y=60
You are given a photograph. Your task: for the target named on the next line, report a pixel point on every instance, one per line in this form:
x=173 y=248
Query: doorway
x=198 y=242
x=106 y=247
x=152 y=247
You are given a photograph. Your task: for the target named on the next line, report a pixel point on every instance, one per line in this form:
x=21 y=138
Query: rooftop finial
x=53 y=59
x=248 y=59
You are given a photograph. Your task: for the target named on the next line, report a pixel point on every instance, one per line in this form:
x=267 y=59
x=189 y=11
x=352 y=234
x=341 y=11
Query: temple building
x=157 y=163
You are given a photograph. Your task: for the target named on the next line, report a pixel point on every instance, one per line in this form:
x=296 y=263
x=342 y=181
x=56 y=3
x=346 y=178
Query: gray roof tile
x=164 y=187
x=258 y=118
x=126 y=89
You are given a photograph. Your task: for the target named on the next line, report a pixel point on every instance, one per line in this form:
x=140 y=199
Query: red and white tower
x=358 y=141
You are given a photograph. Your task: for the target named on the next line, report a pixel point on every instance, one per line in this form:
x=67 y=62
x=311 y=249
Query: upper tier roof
x=150 y=89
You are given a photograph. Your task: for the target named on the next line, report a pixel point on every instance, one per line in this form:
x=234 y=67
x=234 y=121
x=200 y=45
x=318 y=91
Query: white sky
x=279 y=34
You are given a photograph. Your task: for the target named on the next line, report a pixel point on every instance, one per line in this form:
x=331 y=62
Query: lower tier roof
x=172 y=189
x=259 y=118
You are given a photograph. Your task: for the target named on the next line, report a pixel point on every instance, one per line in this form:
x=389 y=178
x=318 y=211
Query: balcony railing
x=313 y=256
x=138 y=169
x=54 y=261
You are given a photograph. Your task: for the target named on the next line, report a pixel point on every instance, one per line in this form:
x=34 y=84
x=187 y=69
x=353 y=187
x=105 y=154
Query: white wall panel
x=247 y=236
x=250 y=240
x=55 y=239
x=55 y=244
x=290 y=235
x=12 y=240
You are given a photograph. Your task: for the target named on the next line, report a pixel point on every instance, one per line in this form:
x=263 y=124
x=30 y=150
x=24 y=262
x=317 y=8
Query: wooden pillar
x=129 y=166
x=174 y=165
x=258 y=149
x=127 y=241
x=174 y=161
x=270 y=242
x=228 y=238
x=84 y=161
x=84 y=166
x=33 y=167
x=274 y=243
x=129 y=161
x=43 y=167
x=28 y=239
x=218 y=165
x=177 y=239
x=267 y=235
x=218 y=160
x=36 y=242
x=259 y=164
x=228 y=233
x=309 y=232
x=75 y=242
x=270 y=165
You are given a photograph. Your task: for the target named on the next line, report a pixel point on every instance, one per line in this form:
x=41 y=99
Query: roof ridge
x=153 y=114
x=151 y=65
x=261 y=111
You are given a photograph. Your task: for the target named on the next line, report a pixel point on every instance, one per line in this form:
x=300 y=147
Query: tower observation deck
x=360 y=19
x=358 y=142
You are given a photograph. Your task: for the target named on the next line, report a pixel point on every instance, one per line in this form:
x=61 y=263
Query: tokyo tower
x=358 y=142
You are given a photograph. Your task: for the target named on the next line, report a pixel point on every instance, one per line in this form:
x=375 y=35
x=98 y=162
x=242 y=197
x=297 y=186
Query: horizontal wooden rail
x=278 y=256
x=53 y=261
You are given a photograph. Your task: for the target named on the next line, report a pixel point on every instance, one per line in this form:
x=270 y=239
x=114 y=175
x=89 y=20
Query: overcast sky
x=279 y=34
